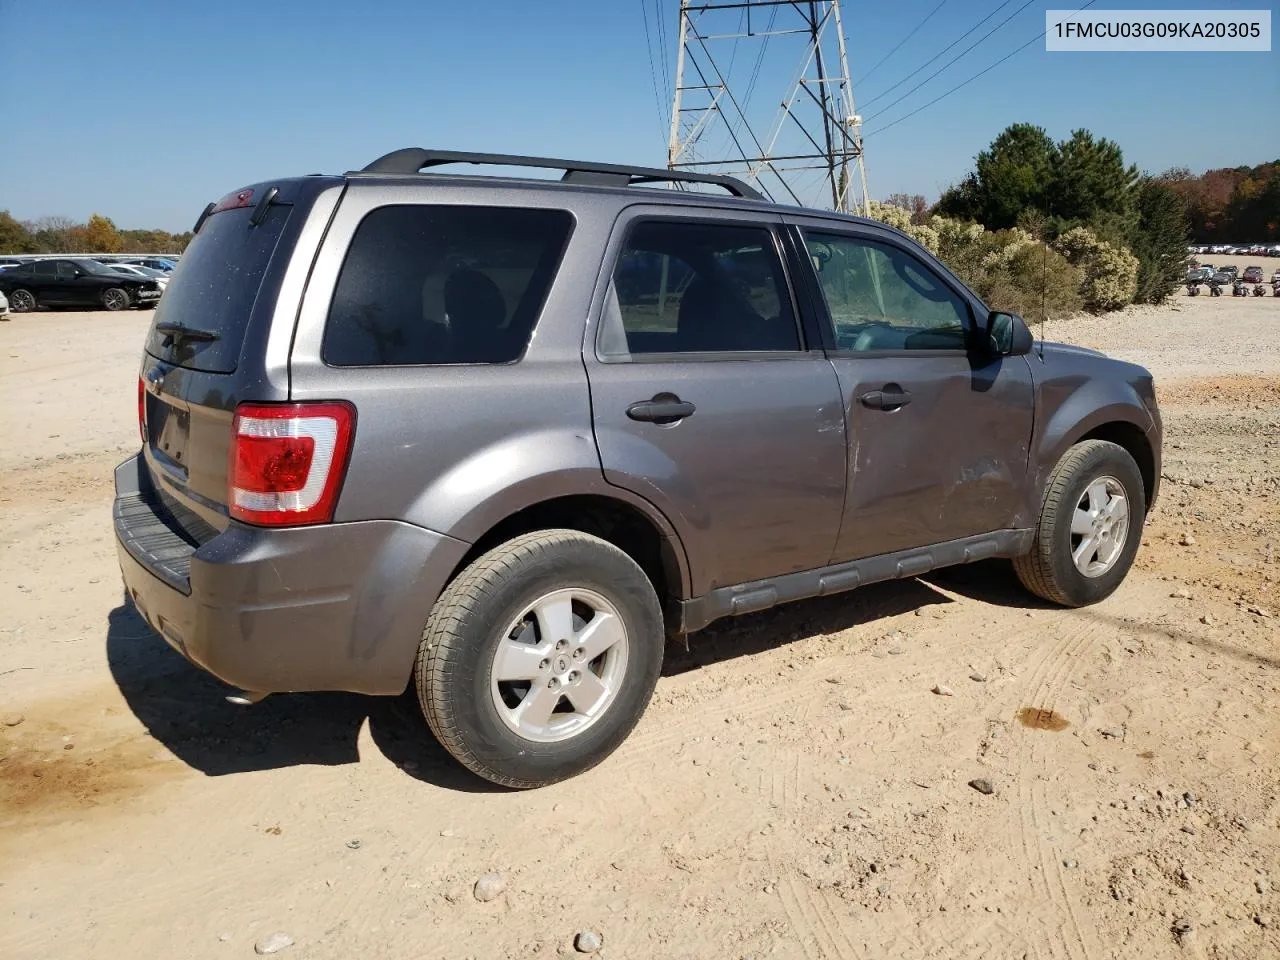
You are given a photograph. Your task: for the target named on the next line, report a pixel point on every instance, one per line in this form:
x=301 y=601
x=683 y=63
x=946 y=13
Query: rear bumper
x=333 y=607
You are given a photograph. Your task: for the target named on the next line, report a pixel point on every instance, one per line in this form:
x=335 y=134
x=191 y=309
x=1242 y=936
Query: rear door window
x=443 y=285
x=216 y=287
x=685 y=287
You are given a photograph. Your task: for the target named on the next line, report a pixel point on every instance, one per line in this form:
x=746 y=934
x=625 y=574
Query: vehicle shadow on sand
x=186 y=710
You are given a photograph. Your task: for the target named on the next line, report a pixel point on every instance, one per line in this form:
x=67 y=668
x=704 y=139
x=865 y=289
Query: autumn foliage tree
x=1230 y=204
x=98 y=235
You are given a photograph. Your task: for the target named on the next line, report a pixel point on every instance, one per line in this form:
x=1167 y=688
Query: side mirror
x=1007 y=335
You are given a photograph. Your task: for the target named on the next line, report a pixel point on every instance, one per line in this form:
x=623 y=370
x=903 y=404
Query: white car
x=159 y=276
x=4 y=305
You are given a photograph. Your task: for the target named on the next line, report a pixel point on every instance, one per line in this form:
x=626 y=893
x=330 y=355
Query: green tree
x=14 y=236
x=1013 y=174
x=1159 y=240
x=1092 y=185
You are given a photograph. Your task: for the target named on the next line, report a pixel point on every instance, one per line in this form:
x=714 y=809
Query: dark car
x=1252 y=274
x=496 y=439
x=78 y=282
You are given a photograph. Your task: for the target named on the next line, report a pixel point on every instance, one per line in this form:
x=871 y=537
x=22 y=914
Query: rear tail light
x=288 y=461
x=142 y=409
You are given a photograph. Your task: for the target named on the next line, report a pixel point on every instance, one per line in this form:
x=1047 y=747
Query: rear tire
x=113 y=298
x=22 y=301
x=1089 y=528
x=517 y=677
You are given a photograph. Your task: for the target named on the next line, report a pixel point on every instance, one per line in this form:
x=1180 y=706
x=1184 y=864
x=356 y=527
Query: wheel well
x=1134 y=440
x=621 y=524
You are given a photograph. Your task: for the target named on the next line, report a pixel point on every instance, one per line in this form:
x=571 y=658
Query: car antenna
x=1044 y=289
x=1044 y=280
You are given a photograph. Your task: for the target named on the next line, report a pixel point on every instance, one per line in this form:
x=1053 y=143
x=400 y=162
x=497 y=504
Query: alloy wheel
x=1099 y=527
x=559 y=665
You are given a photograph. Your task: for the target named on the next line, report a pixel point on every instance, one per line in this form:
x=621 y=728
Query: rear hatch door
x=204 y=352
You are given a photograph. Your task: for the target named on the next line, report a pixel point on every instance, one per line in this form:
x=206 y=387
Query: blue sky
x=145 y=110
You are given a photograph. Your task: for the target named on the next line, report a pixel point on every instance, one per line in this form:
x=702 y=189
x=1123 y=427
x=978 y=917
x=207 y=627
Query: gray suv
x=499 y=438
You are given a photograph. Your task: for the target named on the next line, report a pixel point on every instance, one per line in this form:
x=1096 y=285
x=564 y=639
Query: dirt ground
x=794 y=791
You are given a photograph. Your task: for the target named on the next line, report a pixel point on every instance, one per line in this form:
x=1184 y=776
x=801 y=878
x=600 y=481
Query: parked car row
x=1252 y=282
x=1239 y=250
x=1228 y=273
x=165 y=264
x=77 y=282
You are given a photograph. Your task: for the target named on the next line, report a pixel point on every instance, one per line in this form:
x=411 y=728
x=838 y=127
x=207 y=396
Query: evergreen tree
x=1159 y=240
x=1092 y=186
x=1012 y=175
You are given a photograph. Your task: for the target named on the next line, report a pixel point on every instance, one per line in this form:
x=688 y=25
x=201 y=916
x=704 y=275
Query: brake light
x=233 y=201
x=142 y=410
x=288 y=461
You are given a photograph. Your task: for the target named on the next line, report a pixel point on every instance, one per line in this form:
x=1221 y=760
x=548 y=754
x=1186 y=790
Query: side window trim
x=827 y=322
x=776 y=230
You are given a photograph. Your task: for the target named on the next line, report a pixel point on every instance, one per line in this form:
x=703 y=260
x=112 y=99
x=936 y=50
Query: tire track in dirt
x=818 y=928
x=1054 y=665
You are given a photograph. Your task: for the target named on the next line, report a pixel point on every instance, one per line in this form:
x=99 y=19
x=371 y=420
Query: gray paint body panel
x=779 y=487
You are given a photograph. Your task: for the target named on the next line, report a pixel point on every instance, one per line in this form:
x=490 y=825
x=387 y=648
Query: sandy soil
x=795 y=790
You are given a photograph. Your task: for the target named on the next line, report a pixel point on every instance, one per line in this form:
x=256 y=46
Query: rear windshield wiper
x=177 y=333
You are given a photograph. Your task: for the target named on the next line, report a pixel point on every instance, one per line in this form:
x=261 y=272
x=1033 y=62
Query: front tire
x=113 y=298
x=540 y=657
x=22 y=301
x=1089 y=528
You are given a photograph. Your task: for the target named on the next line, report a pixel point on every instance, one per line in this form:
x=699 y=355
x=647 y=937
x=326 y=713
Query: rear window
x=443 y=285
x=215 y=286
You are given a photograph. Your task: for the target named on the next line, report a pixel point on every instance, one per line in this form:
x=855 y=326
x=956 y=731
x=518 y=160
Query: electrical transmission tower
x=809 y=151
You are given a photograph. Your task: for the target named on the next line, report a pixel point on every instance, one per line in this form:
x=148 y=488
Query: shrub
x=900 y=218
x=1110 y=271
x=1033 y=281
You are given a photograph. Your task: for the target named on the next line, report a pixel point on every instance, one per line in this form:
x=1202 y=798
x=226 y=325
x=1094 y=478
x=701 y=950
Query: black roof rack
x=414 y=159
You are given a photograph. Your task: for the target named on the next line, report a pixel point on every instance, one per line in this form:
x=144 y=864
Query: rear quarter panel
x=459 y=448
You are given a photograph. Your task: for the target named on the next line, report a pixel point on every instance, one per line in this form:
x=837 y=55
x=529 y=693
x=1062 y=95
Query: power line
x=958 y=56
x=653 y=76
x=755 y=70
x=662 y=42
x=932 y=59
x=965 y=83
x=927 y=17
